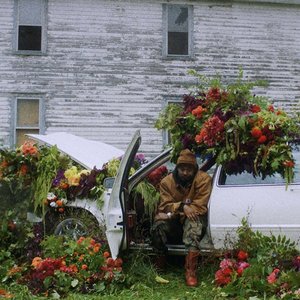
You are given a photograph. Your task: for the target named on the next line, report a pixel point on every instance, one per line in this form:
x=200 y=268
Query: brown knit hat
x=187 y=157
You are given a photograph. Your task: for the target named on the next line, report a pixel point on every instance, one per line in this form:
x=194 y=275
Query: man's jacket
x=173 y=194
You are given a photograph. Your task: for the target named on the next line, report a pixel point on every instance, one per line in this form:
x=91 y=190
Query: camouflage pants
x=173 y=231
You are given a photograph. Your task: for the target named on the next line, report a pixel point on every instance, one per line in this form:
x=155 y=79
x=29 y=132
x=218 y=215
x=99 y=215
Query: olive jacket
x=173 y=194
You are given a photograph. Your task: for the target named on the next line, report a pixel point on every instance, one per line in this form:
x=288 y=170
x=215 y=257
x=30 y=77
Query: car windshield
x=246 y=178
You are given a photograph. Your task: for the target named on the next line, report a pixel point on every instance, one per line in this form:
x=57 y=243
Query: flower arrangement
x=41 y=173
x=267 y=266
x=241 y=131
x=231 y=268
x=82 y=265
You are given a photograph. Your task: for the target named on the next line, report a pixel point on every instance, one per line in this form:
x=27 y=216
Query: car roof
x=86 y=152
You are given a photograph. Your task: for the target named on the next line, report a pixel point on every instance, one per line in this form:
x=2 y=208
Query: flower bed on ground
x=241 y=131
x=263 y=266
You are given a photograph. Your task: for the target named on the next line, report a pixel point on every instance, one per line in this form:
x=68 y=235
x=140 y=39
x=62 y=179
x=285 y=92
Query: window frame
x=165 y=49
x=43 y=30
x=15 y=127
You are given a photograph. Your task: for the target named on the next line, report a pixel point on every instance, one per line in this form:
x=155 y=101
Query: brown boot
x=191 y=263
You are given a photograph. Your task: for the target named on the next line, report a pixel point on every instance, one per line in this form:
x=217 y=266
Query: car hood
x=86 y=152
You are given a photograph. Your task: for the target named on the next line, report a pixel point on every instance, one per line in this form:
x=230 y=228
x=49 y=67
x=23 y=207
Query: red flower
x=242 y=255
x=197 y=112
x=221 y=278
x=288 y=163
x=157 y=175
x=271 y=108
x=211 y=132
x=262 y=139
x=213 y=94
x=256 y=132
x=255 y=108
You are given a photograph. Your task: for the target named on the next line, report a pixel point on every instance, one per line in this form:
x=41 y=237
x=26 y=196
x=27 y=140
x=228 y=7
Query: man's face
x=186 y=172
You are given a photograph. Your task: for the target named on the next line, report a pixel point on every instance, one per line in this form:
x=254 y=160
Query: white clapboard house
x=101 y=69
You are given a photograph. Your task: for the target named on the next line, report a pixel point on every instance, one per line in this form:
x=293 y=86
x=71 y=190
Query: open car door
x=115 y=218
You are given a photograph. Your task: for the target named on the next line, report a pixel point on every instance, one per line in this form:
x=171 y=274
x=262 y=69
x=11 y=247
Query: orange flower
x=197 y=112
x=256 y=132
x=73 y=268
x=106 y=254
x=5 y=294
x=36 y=261
x=23 y=170
x=59 y=203
x=96 y=249
x=14 y=270
x=81 y=257
x=63 y=185
x=84 y=267
x=4 y=164
x=28 y=148
x=80 y=240
x=61 y=209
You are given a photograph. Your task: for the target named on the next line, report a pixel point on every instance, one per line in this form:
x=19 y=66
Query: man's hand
x=161 y=216
x=190 y=213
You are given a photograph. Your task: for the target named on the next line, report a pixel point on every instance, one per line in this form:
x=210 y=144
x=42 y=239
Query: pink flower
x=226 y=263
x=272 y=278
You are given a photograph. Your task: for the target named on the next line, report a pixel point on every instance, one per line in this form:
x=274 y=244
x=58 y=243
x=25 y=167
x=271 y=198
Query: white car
x=268 y=205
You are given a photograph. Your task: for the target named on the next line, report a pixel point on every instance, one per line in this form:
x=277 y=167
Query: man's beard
x=183 y=182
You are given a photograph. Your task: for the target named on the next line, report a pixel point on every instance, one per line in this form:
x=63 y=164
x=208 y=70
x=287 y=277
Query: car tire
x=74 y=223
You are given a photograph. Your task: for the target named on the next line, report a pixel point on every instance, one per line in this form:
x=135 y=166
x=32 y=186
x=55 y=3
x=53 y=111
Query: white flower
x=51 y=196
x=64 y=201
x=53 y=204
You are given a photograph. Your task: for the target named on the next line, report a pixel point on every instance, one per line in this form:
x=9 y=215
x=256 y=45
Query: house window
x=30 y=26
x=28 y=118
x=178 y=23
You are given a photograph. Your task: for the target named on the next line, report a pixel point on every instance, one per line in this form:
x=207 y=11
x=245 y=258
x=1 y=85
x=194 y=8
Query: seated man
x=182 y=211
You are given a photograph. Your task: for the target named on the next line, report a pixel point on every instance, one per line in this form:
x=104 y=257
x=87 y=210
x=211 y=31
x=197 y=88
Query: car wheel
x=74 y=223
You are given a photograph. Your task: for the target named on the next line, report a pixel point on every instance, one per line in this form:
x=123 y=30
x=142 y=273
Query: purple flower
x=59 y=176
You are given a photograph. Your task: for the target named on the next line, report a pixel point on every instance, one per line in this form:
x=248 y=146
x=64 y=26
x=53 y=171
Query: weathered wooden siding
x=104 y=75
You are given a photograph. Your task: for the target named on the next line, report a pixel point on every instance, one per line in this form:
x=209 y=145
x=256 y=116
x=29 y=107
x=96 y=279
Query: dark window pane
x=178 y=43
x=178 y=30
x=30 y=38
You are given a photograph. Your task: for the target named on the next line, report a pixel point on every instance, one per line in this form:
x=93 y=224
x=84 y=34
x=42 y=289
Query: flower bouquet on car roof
x=241 y=131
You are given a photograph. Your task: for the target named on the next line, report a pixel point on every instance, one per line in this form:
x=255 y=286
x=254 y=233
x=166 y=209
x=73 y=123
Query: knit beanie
x=187 y=157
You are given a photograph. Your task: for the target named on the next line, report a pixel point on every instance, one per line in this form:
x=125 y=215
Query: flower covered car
x=126 y=215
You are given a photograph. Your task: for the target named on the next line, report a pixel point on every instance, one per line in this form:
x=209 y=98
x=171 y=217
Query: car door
x=115 y=218
x=269 y=206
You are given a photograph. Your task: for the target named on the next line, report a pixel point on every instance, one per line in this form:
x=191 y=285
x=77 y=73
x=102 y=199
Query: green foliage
x=52 y=246
x=168 y=117
x=150 y=196
x=46 y=170
x=267 y=255
x=271 y=250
